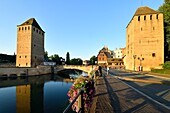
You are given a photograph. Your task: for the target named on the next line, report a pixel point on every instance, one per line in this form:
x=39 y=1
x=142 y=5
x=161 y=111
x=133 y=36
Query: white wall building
x=117 y=53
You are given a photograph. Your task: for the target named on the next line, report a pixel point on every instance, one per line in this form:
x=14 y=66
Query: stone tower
x=145 y=40
x=30 y=44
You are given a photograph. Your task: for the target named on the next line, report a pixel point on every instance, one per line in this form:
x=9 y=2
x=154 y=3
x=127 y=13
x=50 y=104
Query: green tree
x=46 y=55
x=93 y=59
x=68 y=58
x=76 y=61
x=165 y=9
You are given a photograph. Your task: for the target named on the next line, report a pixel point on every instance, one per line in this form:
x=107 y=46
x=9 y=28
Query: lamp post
x=134 y=56
x=140 y=59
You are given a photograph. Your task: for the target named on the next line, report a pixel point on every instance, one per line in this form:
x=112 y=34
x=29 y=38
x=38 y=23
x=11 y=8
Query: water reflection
x=39 y=94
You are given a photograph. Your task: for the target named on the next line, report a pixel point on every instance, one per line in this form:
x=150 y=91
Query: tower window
x=25 y=56
x=35 y=57
x=37 y=30
x=138 y=18
x=25 y=28
x=141 y=28
x=19 y=56
x=150 y=17
x=19 y=28
x=157 y=16
x=144 y=17
x=26 y=64
x=28 y=28
x=153 y=55
x=22 y=28
x=34 y=29
x=153 y=28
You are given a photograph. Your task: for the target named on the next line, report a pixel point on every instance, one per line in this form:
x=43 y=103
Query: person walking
x=100 y=70
x=107 y=70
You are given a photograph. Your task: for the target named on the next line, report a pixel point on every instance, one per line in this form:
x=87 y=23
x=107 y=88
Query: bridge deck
x=113 y=96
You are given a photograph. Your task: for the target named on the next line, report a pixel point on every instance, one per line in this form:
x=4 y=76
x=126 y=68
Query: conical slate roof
x=32 y=22
x=144 y=11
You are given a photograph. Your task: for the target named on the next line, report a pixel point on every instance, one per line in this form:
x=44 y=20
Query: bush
x=166 y=65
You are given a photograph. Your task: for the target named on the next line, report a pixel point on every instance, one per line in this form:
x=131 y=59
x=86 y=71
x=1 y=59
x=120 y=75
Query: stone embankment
x=39 y=70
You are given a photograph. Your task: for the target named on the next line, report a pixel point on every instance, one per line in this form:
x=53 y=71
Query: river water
x=38 y=94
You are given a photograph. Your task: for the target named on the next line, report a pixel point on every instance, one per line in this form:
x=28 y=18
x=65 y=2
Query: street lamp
x=134 y=56
x=140 y=59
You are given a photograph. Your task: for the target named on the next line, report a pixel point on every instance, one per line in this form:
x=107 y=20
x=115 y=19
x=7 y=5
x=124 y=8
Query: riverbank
x=16 y=71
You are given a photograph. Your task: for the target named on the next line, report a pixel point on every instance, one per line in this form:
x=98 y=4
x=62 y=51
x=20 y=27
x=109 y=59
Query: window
x=141 y=28
x=144 y=17
x=19 y=64
x=157 y=16
x=22 y=28
x=153 y=28
x=25 y=56
x=34 y=29
x=150 y=17
x=19 y=29
x=35 y=57
x=26 y=64
x=28 y=28
x=25 y=28
x=138 y=18
x=19 y=56
x=153 y=55
x=37 y=30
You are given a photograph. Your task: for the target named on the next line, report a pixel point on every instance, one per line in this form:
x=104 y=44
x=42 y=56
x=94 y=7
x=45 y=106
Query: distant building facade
x=30 y=44
x=105 y=58
x=117 y=53
x=145 y=40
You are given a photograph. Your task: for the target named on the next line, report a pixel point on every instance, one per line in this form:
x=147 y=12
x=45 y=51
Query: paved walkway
x=113 y=96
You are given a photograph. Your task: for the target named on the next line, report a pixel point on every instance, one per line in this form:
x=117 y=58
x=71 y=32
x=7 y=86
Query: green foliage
x=76 y=61
x=56 y=58
x=92 y=60
x=46 y=55
x=68 y=58
x=165 y=9
x=7 y=58
x=166 y=65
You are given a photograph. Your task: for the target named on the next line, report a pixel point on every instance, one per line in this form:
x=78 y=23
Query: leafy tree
x=165 y=9
x=76 y=61
x=46 y=55
x=56 y=58
x=92 y=60
x=68 y=58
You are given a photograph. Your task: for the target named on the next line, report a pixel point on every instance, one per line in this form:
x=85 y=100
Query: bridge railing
x=79 y=96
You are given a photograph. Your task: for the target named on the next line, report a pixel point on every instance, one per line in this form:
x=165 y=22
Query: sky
x=80 y=27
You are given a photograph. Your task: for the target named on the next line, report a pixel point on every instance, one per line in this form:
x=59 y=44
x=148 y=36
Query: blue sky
x=80 y=27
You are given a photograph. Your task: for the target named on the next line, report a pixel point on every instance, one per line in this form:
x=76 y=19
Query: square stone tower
x=145 y=40
x=30 y=44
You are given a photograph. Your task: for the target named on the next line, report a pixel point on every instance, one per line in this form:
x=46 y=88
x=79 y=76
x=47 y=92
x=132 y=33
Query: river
x=38 y=94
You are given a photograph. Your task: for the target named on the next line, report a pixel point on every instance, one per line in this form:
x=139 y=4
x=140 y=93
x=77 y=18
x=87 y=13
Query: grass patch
x=161 y=71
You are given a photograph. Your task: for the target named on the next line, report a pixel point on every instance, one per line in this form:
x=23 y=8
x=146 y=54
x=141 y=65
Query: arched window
x=138 y=18
x=19 y=29
x=25 y=28
x=150 y=17
x=28 y=28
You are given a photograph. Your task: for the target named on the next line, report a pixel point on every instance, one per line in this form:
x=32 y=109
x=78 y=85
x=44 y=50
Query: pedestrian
x=107 y=70
x=100 y=70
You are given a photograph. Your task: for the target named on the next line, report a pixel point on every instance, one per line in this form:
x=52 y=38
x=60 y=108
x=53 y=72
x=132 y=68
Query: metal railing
x=80 y=99
x=80 y=102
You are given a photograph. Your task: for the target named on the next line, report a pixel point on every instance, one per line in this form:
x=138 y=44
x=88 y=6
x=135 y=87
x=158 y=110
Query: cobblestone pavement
x=113 y=96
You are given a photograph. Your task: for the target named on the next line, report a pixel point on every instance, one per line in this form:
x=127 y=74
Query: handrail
x=69 y=106
x=93 y=76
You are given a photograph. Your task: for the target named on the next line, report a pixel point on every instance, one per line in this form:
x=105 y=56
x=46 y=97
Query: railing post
x=81 y=102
